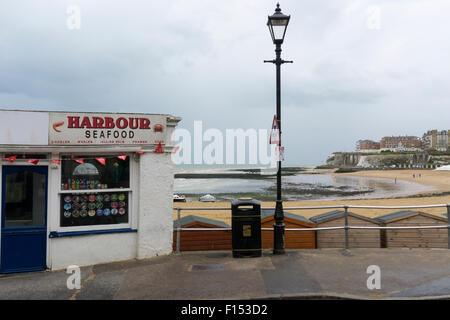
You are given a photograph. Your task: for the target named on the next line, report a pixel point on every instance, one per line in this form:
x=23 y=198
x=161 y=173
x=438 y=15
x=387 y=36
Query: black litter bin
x=246 y=228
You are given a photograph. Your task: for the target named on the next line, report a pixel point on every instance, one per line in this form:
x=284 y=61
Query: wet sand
x=440 y=180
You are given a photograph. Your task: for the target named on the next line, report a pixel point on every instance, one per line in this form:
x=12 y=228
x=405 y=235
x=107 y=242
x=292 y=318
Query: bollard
x=178 y=229
x=346 y=227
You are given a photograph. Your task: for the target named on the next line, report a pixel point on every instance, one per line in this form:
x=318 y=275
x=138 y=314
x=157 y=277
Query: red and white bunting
x=10 y=159
x=101 y=160
x=122 y=157
x=33 y=161
x=79 y=161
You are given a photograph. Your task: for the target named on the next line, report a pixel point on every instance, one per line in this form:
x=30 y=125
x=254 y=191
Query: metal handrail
x=322 y=207
x=346 y=227
x=318 y=229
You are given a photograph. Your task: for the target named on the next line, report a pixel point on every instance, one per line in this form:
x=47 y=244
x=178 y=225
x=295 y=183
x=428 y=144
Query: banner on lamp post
x=275 y=137
x=279 y=153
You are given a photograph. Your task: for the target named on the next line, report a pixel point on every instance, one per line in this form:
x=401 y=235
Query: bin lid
x=245 y=202
x=242 y=206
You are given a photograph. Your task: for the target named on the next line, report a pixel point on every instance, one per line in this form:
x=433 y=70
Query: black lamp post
x=277 y=24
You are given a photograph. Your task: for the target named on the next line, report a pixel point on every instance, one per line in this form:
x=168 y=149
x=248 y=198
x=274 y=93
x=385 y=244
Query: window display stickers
x=94 y=209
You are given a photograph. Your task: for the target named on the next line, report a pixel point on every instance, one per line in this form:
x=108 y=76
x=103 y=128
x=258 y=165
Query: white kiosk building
x=84 y=188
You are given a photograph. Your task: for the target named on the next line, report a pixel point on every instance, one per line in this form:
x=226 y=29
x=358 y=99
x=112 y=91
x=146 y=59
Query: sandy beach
x=440 y=180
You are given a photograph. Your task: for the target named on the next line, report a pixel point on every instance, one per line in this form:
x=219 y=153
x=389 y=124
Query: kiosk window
x=89 y=205
x=94 y=175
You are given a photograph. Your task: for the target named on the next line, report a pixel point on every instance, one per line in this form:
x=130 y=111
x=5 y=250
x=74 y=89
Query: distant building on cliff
x=431 y=140
x=400 y=143
x=437 y=140
x=367 y=146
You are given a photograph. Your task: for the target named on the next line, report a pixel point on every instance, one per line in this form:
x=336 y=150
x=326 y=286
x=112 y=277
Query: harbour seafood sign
x=103 y=129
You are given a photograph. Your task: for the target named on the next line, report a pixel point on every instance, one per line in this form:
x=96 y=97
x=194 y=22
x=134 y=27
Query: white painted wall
x=155 y=224
x=91 y=249
x=23 y=128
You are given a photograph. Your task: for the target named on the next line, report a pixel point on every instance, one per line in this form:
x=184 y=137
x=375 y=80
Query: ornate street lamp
x=277 y=24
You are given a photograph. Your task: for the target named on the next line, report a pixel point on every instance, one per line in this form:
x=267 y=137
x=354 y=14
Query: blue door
x=24 y=219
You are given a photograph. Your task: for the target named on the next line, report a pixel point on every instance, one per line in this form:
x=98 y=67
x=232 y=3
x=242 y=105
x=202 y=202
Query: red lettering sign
x=86 y=123
x=122 y=123
x=109 y=123
x=97 y=122
x=144 y=123
x=74 y=122
x=133 y=123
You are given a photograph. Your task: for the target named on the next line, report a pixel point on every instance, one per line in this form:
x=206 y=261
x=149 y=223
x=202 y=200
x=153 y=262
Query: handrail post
x=178 y=229
x=448 y=225
x=346 y=226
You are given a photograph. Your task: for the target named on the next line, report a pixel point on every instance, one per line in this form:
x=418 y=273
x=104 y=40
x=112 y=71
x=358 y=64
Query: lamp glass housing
x=277 y=24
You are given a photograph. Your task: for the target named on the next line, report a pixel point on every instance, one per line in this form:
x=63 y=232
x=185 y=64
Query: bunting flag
x=101 y=160
x=11 y=159
x=33 y=161
x=140 y=152
x=80 y=161
x=159 y=148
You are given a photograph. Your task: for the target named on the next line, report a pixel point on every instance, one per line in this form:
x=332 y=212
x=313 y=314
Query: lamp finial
x=278 y=7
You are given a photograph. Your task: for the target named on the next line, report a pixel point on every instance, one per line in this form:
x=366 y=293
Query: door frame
x=5 y=169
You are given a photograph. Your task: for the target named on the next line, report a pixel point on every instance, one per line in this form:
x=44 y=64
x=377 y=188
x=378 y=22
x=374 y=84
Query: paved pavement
x=405 y=273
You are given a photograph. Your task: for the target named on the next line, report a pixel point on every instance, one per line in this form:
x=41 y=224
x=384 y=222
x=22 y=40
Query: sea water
x=301 y=186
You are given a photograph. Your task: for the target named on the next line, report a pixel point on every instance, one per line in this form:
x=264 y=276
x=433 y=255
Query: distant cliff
x=363 y=160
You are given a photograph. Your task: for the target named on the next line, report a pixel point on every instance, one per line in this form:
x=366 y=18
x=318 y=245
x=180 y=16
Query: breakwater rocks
x=258 y=173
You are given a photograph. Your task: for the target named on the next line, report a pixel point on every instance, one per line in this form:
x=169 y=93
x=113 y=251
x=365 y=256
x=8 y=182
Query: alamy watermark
x=73 y=21
x=374 y=280
x=74 y=280
x=232 y=147
x=373 y=21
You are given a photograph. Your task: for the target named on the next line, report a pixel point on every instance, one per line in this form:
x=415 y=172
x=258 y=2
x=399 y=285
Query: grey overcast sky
x=203 y=60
